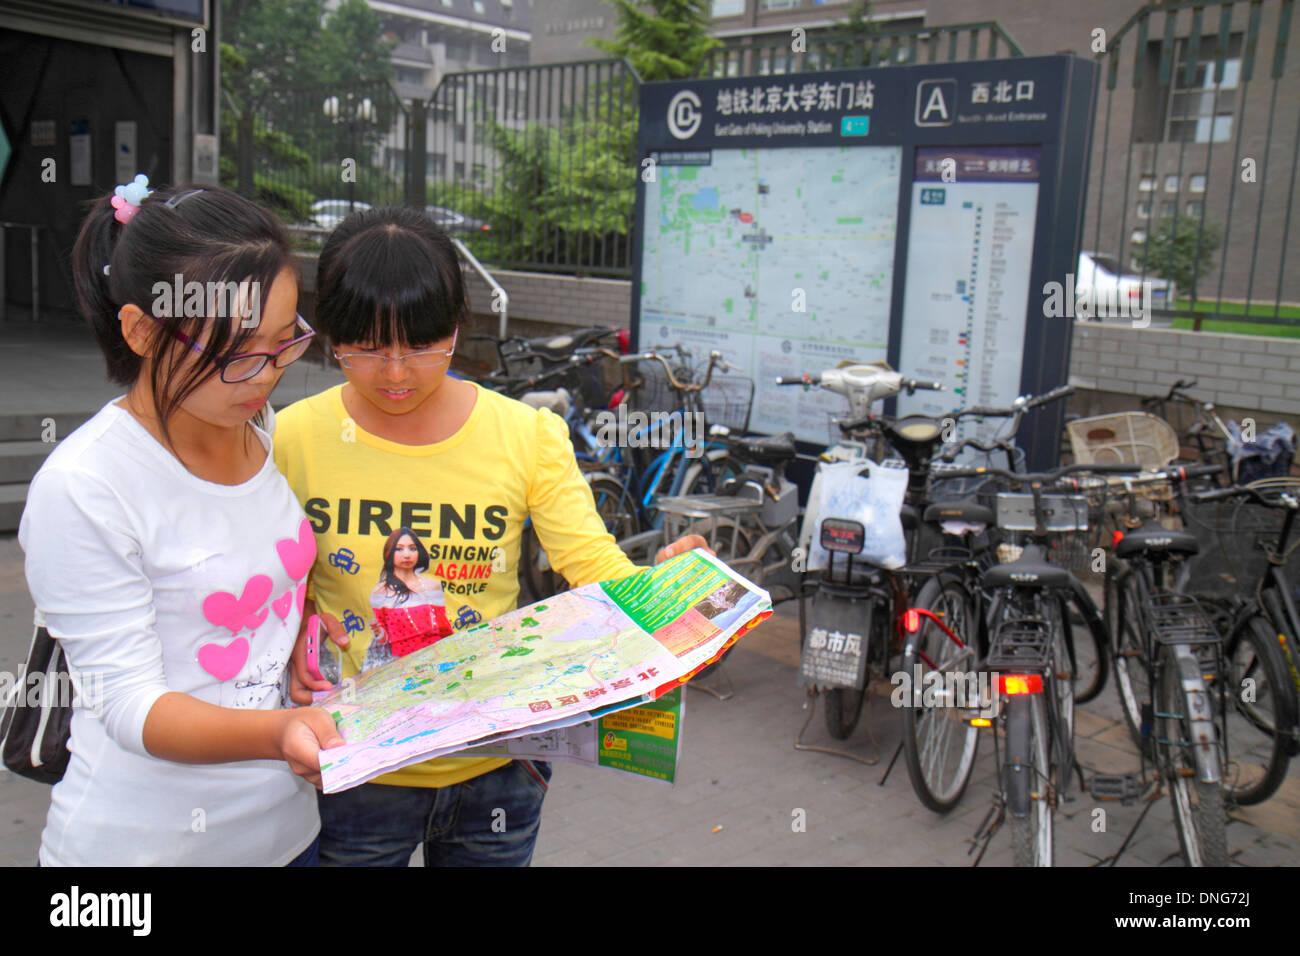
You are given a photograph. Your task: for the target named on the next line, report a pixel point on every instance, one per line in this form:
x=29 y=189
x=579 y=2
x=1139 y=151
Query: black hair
x=389 y=276
x=389 y=575
x=204 y=234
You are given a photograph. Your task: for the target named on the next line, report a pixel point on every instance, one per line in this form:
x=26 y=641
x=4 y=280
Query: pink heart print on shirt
x=298 y=556
x=232 y=613
x=223 y=663
x=283 y=603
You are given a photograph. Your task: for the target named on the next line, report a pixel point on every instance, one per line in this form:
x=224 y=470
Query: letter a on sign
x=934 y=102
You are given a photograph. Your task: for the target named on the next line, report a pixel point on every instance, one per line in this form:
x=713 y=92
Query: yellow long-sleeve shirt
x=466 y=498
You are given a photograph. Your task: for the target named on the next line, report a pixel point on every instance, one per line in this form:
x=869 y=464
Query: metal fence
x=776 y=53
x=536 y=166
x=314 y=153
x=1195 y=157
x=1193 y=175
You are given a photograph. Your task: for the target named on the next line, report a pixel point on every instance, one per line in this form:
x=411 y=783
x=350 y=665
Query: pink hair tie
x=127 y=198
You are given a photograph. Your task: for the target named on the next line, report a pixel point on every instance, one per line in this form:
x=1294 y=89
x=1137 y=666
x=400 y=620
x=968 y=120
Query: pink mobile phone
x=313 y=647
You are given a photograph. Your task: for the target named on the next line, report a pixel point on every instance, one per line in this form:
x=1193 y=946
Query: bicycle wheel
x=615 y=505
x=843 y=708
x=1132 y=670
x=1256 y=714
x=1091 y=658
x=1029 y=750
x=1199 y=814
x=939 y=743
x=1063 y=688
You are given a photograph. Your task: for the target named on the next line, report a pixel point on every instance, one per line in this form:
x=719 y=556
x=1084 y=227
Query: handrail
x=487 y=277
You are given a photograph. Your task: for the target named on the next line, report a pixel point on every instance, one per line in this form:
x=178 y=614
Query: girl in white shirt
x=188 y=550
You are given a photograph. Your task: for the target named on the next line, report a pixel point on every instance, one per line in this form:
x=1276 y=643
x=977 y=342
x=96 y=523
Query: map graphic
x=595 y=649
x=782 y=259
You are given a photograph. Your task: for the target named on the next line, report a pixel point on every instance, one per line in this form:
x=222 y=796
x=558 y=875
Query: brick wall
x=1241 y=373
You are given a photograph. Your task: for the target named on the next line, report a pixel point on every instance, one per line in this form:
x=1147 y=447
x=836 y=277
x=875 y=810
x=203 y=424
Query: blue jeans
x=490 y=820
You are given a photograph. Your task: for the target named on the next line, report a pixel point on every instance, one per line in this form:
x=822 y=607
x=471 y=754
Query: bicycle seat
x=971 y=512
x=765 y=450
x=1030 y=569
x=557 y=348
x=1153 y=538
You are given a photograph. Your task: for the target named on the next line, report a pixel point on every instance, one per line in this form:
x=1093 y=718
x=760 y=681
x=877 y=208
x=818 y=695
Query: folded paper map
x=571 y=658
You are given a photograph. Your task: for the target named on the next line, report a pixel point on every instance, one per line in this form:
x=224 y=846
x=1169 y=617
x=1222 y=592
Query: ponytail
x=199 y=234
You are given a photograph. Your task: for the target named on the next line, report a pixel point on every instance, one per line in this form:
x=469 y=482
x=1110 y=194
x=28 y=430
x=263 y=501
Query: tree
x=662 y=39
x=272 y=50
x=1180 y=250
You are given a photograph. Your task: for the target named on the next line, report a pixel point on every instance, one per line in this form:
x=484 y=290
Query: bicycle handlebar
x=1045 y=477
x=715 y=361
x=1242 y=491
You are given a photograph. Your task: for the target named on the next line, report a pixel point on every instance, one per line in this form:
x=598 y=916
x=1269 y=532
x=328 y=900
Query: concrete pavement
x=741 y=785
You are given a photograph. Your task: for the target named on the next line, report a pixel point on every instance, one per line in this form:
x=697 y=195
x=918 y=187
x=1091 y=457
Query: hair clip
x=127 y=198
x=177 y=200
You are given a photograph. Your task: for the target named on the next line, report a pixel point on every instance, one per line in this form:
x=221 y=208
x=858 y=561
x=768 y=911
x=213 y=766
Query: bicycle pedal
x=1124 y=787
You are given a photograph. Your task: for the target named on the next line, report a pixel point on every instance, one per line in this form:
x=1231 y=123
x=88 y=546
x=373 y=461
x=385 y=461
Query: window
x=1197 y=183
x=460 y=132
x=1168 y=210
x=728 y=8
x=508 y=9
x=1196 y=209
x=1144 y=210
x=777 y=4
x=478 y=6
x=1136 y=241
x=1201 y=110
x=1147 y=183
x=458 y=170
x=1171 y=184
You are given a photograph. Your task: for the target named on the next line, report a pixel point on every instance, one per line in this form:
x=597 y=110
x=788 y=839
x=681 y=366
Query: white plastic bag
x=860 y=491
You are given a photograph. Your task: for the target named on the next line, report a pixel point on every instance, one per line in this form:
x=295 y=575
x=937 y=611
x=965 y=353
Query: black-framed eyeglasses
x=240 y=368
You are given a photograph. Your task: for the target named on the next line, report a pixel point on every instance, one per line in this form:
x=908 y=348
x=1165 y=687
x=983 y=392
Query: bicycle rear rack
x=1179 y=619
x=1019 y=645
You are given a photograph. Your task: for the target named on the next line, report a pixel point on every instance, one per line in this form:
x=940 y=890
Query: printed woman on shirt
x=409 y=609
x=402 y=443
x=191 y=552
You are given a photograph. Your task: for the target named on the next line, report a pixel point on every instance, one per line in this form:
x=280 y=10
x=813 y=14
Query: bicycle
x=862 y=605
x=940 y=750
x=1260 y=616
x=1014 y=628
x=1175 y=679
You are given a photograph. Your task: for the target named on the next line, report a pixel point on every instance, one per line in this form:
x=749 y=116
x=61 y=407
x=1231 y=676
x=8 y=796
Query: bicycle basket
x=652 y=392
x=1231 y=535
x=1066 y=518
x=727 y=401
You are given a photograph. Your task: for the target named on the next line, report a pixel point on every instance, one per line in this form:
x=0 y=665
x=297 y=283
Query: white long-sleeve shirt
x=155 y=580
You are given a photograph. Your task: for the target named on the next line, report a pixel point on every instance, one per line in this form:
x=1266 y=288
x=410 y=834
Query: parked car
x=1104 y=290
x=328 y=213
x=456 y=222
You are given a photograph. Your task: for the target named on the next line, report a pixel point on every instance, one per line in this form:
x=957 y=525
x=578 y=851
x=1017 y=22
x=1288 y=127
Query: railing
x=1200 y=187
x=777 y=53
x=541 y=163
x=313 y=154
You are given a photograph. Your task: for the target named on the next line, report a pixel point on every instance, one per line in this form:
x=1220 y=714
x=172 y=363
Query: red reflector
x=624 y=341
x=1115 y=538
x=1020 y=683
x=911 y=621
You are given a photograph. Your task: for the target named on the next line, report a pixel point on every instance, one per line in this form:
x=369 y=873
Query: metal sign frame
x=954 y=105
